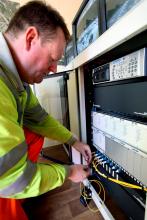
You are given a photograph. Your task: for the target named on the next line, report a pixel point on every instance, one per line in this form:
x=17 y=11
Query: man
x=29 y=49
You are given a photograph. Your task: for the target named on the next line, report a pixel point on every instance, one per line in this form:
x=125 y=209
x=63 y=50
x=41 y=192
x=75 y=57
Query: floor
x=63 y=203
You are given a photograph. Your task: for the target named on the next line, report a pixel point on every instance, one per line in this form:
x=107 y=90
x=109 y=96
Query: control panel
x=130 y=66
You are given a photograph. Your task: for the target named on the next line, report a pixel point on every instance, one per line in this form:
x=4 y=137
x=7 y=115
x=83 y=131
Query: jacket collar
x=8 y=64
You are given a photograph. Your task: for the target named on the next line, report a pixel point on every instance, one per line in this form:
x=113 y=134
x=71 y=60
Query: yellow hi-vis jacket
x=19 y=177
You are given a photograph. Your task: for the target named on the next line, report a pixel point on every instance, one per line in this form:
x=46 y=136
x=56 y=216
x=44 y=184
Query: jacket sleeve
x=19 y=177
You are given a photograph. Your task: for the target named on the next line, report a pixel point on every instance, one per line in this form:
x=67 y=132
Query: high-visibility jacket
x=19 y=177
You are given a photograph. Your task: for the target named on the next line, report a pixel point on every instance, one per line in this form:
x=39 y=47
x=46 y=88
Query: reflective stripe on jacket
x=19 y=177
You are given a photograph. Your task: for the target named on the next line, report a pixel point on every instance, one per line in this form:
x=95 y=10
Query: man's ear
x=31 y=35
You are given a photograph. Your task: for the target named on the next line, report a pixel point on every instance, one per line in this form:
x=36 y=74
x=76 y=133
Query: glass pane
x=52 y=95
x=69 y=52
x=62 y=61
x=116 y=9
x=87 y=26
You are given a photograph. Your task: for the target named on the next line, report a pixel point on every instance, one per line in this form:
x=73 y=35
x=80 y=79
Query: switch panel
x=130 y=132
x=133 y=161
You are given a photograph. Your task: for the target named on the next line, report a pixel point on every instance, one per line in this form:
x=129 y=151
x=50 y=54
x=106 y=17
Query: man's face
x=42 y=58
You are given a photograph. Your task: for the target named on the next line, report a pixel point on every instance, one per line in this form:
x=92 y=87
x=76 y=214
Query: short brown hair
x=36 y=13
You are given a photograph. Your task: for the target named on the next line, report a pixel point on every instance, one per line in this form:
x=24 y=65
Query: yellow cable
x=100 y=187
x=125 y=184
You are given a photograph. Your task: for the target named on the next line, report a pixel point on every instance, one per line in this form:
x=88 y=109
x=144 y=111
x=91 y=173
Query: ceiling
x=67 y=8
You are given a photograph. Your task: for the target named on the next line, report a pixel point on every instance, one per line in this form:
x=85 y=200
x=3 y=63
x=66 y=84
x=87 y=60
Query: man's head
x=37 y=36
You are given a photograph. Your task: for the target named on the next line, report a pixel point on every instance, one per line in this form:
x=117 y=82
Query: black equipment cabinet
x=122 y=99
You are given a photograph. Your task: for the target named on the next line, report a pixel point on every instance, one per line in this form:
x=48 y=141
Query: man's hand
x=78 y=173
x=84 y=149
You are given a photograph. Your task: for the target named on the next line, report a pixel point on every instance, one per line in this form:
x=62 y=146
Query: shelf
x=131 y=24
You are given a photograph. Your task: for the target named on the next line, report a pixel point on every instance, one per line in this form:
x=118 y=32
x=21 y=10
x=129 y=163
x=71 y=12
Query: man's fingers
x=87 y=156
